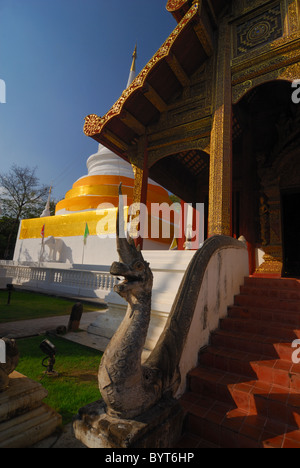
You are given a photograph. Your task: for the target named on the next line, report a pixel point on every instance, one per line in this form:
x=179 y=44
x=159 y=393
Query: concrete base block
x=24 y=418
x=160 y=427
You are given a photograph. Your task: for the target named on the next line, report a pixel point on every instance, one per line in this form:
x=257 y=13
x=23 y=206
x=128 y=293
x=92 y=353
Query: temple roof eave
x=169 y=70
x=178 y=8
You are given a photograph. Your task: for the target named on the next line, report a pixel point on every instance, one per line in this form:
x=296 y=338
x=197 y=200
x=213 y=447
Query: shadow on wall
x=53 y=250
x=28 y=257
x=58 y=250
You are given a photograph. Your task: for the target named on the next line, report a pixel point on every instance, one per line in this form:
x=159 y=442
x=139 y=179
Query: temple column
x=220 y=182
x=139 y=219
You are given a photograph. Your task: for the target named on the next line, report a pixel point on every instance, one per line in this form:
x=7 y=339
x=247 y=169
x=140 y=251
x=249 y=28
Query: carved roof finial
x=132 y=73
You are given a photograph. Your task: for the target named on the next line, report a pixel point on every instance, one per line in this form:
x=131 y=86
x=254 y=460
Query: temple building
x=212 y=118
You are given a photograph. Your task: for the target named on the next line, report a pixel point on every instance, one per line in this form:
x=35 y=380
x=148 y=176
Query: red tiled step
x=276 y=316
x=190 y=440
x=276 y=371
x=248 y=395
x=266 y=283
x=283 y=294
x=261 y=327
x=267 y=302
x=246 y=390
x=226 y=426
x=253 y=343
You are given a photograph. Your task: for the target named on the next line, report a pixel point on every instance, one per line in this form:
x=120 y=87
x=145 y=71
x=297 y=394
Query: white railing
x=93 y=281
x=58 y=280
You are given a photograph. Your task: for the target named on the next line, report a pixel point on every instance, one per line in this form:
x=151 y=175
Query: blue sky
x=62 y=60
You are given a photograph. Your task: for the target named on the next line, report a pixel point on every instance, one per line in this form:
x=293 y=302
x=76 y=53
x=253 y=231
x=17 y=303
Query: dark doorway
x=186 y=175
x=291 y=233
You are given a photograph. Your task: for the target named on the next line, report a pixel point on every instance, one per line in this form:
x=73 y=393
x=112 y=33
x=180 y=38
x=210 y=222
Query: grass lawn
x=30 y=305
x=77 y=382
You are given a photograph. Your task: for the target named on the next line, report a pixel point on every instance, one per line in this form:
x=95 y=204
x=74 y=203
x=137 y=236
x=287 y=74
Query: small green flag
x=86 y=232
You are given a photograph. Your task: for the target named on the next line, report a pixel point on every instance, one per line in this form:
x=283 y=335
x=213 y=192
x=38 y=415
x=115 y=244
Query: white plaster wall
x=168 y=269
x=224 y=276
x=96 y=251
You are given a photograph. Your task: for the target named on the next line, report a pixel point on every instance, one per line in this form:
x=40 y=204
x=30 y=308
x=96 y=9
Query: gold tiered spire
x=132 y=69
x=134 y=57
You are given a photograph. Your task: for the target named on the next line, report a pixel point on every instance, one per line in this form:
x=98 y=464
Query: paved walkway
x=26 y=328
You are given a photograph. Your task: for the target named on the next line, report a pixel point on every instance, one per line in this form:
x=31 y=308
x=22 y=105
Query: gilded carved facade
x=191 y=104
x=275 y=54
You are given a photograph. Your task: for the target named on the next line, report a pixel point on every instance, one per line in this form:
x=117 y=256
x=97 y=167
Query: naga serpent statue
x=12 y=359
x=128 y=386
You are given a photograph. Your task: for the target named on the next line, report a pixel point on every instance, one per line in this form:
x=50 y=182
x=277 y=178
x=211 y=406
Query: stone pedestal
x=24 y=418
x=160 y=427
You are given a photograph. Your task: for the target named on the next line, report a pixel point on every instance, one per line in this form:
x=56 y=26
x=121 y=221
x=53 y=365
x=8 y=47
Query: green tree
x=21 y=197
x=53 y=204
x=8 y=228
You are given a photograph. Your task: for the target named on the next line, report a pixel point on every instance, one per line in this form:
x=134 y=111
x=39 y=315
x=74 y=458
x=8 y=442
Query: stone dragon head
x=138 y=278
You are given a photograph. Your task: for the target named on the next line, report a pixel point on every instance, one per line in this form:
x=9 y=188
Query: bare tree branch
x=21 y=196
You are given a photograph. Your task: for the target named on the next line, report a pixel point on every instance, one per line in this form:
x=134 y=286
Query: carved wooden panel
x=258 y=29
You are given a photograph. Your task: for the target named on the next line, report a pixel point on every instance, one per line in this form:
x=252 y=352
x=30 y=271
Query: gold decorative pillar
x=220 y=181
x=140 y=189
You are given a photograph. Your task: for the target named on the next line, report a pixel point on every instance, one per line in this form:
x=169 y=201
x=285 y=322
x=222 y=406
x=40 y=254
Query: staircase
x=246 y=391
